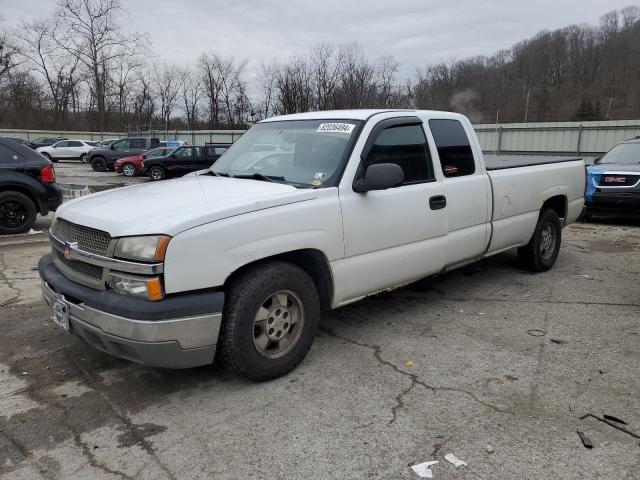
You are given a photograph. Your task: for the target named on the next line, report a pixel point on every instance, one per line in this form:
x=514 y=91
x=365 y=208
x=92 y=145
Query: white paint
x=373 y=241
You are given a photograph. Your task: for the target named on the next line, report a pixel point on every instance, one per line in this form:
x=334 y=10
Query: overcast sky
x=415 y=32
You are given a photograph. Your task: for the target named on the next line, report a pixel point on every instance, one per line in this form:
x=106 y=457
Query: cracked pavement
x=487 y=355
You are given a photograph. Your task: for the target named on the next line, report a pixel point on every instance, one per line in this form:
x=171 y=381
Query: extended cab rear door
x=467 y=187
x=396 y=235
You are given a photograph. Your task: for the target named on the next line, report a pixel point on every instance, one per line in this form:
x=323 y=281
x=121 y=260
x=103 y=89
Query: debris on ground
x=489 y=449
x=451 y=458
x=534 y=332
x=611 y=423
x=557 y=341
x=33 y=232
x=423 y=469
x=585 y=440
x=409 y=363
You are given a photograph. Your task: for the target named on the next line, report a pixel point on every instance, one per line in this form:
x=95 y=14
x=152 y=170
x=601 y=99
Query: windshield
x=622 y=154
x=306 y=153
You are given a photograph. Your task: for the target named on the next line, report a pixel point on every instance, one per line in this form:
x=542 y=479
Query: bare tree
x=166 y=79
x=9 y=51
x=59 y=69
x=268 y=74
x=191 y=91
x=327 y=64
x=91 y=33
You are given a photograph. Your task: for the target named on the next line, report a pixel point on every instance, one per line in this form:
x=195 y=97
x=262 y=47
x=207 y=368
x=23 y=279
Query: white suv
x=68 y=149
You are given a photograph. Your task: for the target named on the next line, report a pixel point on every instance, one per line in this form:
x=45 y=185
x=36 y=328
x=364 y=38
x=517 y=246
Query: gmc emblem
x=615 y=179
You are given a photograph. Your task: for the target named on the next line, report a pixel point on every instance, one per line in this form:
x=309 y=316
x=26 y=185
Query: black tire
x=157 y=173
x=541 y=252
x=17 y=213
x=83 y=158
x=99 y=164
x=246 y=296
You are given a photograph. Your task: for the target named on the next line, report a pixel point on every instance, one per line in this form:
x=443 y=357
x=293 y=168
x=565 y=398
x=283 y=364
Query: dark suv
x=27 y=186
x=183 y=160
x=103 y=159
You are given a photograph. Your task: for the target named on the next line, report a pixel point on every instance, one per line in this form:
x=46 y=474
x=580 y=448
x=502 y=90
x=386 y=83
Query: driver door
x=398 y=235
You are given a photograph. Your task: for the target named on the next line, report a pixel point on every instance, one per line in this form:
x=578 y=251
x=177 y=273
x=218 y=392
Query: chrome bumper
x=170 y=343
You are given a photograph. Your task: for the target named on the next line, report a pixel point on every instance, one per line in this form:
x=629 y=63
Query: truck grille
x=84 y=269
x=89 y=239
x=618 y=180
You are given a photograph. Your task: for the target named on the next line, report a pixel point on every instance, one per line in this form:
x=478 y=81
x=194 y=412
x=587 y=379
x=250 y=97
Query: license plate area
x=60 y=312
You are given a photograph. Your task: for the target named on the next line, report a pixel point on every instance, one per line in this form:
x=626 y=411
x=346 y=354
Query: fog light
x=139 y=287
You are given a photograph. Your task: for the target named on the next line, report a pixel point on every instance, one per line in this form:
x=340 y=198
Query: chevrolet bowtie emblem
x=67 y=249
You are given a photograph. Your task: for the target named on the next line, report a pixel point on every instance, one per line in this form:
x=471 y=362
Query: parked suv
x=27 y=186
x=103 y=159
x=613 y=182
x=183 y=160
x=68 y=149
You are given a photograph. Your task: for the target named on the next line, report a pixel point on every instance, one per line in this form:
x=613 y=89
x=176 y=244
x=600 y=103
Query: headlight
x=140 y=287
x=151 y=248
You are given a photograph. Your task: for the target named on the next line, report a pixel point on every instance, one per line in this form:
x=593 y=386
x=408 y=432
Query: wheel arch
x=25 y=191
x=314 y=262
x=558 y=203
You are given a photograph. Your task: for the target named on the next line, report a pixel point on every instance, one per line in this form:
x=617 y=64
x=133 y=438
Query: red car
x=130 y=166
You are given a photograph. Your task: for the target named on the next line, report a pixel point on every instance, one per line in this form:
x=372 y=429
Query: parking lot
x=491 y=363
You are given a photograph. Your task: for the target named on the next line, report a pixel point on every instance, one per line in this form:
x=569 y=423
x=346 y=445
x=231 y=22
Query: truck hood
x=615 y=167
x=172 y=206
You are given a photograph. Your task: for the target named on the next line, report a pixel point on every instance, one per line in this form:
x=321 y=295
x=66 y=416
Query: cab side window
x=138 y=143
x=454 y=149
x=406 y=146
x=74 y=144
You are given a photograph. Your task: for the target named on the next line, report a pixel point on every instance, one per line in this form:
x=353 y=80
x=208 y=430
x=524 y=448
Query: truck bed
x=501 y=162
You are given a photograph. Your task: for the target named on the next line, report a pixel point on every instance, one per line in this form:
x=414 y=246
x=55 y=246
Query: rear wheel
x=541 y=252
x=157 y=173
x=129 y=170
x=270 y=319
x=83 y=158
x=17 y=213
x=99 y=164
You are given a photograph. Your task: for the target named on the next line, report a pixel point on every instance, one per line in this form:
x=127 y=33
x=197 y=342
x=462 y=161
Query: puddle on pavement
x=75 y=190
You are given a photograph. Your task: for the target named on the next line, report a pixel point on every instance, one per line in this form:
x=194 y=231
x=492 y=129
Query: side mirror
x=379 y=176
x=597 y=160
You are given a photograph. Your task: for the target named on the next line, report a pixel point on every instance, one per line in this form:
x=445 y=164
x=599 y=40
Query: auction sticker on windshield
x=335 y=128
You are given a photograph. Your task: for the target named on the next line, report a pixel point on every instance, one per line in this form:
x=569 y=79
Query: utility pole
x=526 y=108
x=609 y=108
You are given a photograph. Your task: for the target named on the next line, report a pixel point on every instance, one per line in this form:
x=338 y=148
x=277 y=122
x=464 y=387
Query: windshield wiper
x=215 y=174
x=260 y=176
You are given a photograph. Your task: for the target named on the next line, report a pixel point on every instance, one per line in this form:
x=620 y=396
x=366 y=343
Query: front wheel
x=270 y=319
x=541 y=252
x=157 y=173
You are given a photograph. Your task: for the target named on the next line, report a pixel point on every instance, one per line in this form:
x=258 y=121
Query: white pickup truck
x=303 y=213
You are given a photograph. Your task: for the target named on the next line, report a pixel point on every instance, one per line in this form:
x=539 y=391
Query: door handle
x=437 y=202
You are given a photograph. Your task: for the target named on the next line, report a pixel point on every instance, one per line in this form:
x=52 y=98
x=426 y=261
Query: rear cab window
x=454 y=148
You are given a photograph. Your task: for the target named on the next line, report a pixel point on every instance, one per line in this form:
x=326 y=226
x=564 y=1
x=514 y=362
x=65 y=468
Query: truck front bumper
x=180 y=331
x=623 y=202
